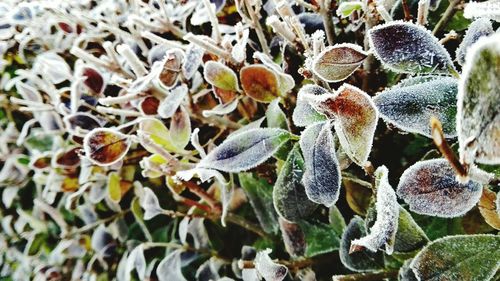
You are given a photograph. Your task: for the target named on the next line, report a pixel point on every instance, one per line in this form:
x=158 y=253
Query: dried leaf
x=488 y=206
x=358 y=195
x=383 y=232
x=409 y=48
x=338 y=62
x=293 y=238
x=245 y=150
x=461 y=257
x=410 y=104
x=322 y=173
x=105 y=147
x=259 y=82
x=430 y=188
x=478 y=118
x=172 y=63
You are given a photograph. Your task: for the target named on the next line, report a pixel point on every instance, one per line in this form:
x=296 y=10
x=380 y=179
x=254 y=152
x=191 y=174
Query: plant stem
x=366 y=276
x=326 y=14
x=235 y=219
x=257 y=27
x=446 y=17
x=445 y=149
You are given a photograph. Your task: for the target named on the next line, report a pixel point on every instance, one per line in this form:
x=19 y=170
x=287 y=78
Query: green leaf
x=260 y=194
x=478 y=117
x=220 y=76
x=461 y=257
x=321 y=238
x=114 y=189
x=409 y=236
x=336 y=220
x=289 y=196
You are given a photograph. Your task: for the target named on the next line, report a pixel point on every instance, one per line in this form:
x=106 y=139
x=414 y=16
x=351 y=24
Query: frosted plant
x=479 y=28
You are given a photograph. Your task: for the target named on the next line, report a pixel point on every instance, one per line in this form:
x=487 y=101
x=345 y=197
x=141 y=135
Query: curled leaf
x=410 y=104
x=338 y=62
x=245 y=150
x=478 y=117
x=383 y=232
x=149 y=202
x=289 y=196
x=322 y=173
x=430 y=188
x=409 y=48
x=105 y=147
x=259 y=82
x=268 y=269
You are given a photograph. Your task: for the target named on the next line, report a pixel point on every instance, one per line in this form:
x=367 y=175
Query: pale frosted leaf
x=304 y=114
x=174 y=99
x=289 y=196
x=245 y=150
x=355 y=120
x=338 y=62
x=105 y=147
x=409 y=48
x=293 y=238
x=275 y=116
x=227 y=192
x=209 y=270
x=180 y=128
x=363 y=260
x=268 y=269
x=430 y=188
x=170 y=267
x=260 y=194
x=478 y=117
x=250 y=274
x=221 y=109
x=102 y=241
x=479 y=28
x=220 y=76
x=156 y=132
x=322 y=173
x=383 y=232
x=52 y=67
x=411 y=105
x=487 y=9
x=192 y=60
x=136 y=261
x=150 y=203
x=460 y=257
x=197 y=230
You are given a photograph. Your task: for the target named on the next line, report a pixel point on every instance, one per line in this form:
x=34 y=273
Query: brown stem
x=446 y=17
x=326 y=14
x=444 y=147
x=235 y=219
x=200 y=192
x=406 y=10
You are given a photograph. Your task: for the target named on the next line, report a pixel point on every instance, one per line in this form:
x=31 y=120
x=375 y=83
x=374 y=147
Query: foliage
x=240 y=140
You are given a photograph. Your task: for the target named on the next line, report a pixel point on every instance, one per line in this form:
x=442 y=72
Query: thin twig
x=326 y=14
x=446 y=17
x=366 y=276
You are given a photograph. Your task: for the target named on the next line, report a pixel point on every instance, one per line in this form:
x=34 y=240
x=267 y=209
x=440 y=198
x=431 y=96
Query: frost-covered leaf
x=209 y=270
x=289 y=196
x=192 y=60
x=260 y=194
x=479 y=28
x=489 y=208
x=346 y=8
x=383 y=232
x=430 y=188
x=321 y=178
x=275 y=117
x=221 y=109
x=410 y=104
x=180 y=128
x=268 y=269
x=245 y=150
x=105 y=147
x=293 y=238
x=338 y=62
x=409 y=236
x=155 y=134
x=80 y=124
x=461 y=257
x=487 y=9
x=304 y=114
x=478 y=117
x=336 y=220
x=150 y=203
x=409 y=48
x=320 y=238
x=174 y=99
x=94 y=80
x=259 y=82
x=102 y=242
x=355 y=120
x=363 y=260
x=136 y=261
x=220 y=76
x=170 y=267
x=286 y=81
x=172 y=63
